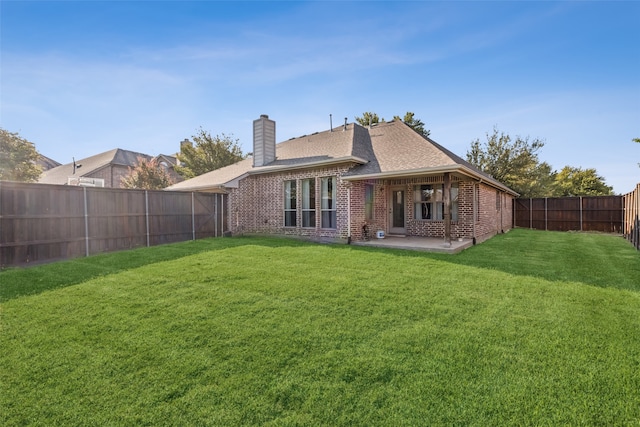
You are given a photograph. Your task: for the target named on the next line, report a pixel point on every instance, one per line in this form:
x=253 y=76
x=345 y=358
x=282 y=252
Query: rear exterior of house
x=352 y=182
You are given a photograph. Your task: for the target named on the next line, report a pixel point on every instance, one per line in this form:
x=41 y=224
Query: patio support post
x=447 y=209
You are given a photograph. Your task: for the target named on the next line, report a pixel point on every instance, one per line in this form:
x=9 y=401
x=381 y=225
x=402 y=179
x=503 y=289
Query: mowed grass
x=529 y=328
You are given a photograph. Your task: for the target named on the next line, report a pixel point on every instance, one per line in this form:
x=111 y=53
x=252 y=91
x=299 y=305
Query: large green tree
x=18 y=158
x=514 y=162
x=148 y=175
x=571 y=181
x=409 y=118
x=207 y=153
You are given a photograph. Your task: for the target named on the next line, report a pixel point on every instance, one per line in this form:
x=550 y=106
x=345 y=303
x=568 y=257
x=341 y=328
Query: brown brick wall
x=257 y=206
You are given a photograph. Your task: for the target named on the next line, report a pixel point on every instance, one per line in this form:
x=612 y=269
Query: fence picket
x=40 y=223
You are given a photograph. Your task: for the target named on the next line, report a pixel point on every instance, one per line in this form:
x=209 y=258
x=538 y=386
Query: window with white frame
x=328 y=202
x=429 y=202
x=290 y=198
x=368 y=201
x=309 y=202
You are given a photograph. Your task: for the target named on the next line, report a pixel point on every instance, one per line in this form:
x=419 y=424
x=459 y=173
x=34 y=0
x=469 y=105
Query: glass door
x=397 y=204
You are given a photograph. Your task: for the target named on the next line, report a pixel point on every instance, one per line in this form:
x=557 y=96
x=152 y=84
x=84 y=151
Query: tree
x=209 y=153
x=513 y=162
x=409 y=118
x=18 y=158
x=148 y=175
x=572 y=181
x=368 y=118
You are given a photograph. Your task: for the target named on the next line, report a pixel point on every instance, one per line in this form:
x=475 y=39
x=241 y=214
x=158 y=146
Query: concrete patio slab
x=427 y=244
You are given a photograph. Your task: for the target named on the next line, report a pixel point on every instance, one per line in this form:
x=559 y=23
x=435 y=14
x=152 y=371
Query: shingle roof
x=321 y=147
x=382 y=150
x=117 y=156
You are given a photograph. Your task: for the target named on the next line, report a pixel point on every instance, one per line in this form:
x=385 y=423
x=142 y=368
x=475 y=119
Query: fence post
x=146 y=215
x=546 y=227
x=580 y=213
x=86 y=222
x=530 y=213
x=193 y=216
x=215 y=215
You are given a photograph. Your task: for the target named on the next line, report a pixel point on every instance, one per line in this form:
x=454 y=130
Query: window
x=328 y=202
x=290 y=203
x=309 y=202
x=498 y=200
x=429 y=202
x=368 y=201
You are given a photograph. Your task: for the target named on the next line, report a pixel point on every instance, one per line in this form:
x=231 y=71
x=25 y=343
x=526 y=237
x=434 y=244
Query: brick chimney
x=264 y=141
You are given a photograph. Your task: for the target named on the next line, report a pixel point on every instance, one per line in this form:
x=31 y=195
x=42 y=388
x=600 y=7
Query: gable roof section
x=399 y=151
x=117 y=156
x=386 y=150
x=319 y=149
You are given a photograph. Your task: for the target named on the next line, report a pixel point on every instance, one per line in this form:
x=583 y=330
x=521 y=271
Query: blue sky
x=81 y=77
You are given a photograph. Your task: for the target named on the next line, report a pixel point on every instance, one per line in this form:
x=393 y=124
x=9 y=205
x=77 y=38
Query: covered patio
x=415 y=243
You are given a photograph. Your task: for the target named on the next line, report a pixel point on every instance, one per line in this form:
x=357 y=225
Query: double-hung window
x=309 y=202
x=429 y=202
x=328 y=202
x=368 y=201
x=290 y=198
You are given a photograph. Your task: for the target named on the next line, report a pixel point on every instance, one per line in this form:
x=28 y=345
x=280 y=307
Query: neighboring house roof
x=386 y=150
x=170 y=160
x=89 y=165
x=46 y=163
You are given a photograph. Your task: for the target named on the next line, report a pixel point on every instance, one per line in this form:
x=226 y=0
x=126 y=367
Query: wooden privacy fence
x=41 y=222
x=632 y=217
x=586 y=213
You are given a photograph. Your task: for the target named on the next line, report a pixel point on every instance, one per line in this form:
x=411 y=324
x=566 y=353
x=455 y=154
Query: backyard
x=528 y=328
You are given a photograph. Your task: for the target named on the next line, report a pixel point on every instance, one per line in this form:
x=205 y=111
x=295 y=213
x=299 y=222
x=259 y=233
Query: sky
x=78 y=78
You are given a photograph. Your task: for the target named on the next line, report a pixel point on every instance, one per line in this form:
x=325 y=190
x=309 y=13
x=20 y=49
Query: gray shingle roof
x=117 y=156
x=382 y=150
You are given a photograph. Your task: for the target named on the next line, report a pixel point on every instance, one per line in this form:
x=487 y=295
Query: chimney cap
x=264 y=116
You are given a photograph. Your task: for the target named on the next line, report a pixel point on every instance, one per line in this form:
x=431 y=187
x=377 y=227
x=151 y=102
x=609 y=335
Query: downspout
x=476 y=199
x=447 y=209
x=349 y=214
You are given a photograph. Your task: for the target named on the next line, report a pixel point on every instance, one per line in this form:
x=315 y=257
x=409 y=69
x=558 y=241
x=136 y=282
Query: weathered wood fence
x=632 y=217
x=40 y=223
x=587 y=213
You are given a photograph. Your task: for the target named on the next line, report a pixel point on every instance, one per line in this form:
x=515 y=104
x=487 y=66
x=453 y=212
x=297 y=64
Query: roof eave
x=215 y=188
x=308 y=165
x=434 y=170
x=404 y=173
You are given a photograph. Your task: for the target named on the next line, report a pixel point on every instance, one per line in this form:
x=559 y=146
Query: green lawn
x=528 y=328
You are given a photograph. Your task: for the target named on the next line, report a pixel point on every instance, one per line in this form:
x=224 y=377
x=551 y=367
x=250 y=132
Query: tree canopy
x=368 y=118
x=409 y=118
x=209 y=153
x=18 y=158
x=571 y=181
x=515 y=163
x=148 y=175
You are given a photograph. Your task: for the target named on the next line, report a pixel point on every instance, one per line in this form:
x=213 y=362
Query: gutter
x=278 y=168
x=461 y=169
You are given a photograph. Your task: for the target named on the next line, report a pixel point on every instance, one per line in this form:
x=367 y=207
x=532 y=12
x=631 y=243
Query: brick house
x=350 y=182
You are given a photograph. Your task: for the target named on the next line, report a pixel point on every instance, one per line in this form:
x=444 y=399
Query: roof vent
x=345 y=123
